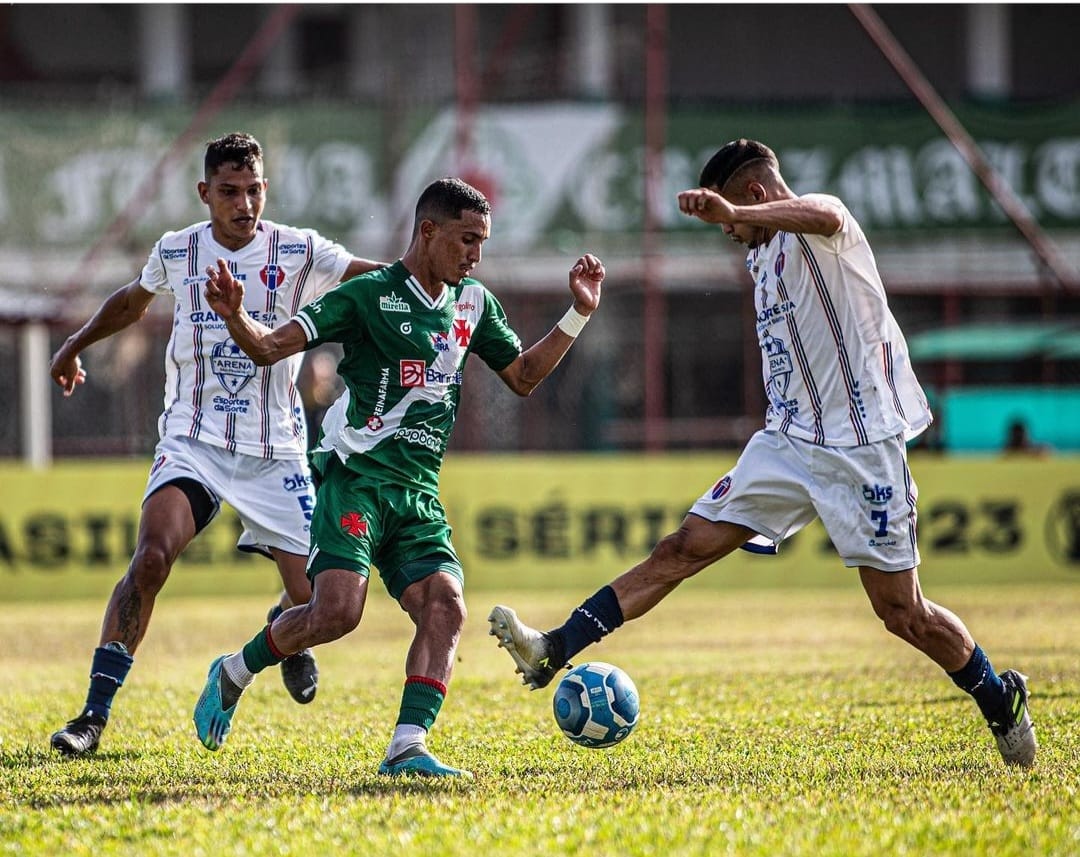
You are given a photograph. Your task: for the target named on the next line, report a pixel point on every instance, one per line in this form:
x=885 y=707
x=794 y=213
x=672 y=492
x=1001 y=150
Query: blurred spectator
x=1018 y=441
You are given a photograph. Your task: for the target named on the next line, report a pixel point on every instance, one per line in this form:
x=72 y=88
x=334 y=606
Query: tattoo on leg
x=130 y=607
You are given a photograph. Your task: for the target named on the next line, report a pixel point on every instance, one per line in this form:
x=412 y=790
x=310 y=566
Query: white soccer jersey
x=214 y=392
x=834 y=360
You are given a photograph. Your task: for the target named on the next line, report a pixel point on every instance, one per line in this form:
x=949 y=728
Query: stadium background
x=581 y=122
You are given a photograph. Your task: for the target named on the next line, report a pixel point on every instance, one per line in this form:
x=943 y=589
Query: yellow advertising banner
x=555 y=521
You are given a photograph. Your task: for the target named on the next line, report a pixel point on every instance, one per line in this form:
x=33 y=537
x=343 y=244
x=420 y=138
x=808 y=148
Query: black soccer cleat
x=300 y=674
x=80 y=737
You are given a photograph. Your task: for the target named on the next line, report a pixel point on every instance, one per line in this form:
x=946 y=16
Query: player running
x=230 y=430
x=843 y=399
x=407 y=331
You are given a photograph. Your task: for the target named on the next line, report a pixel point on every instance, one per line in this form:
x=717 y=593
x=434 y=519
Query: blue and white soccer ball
x=596 y=705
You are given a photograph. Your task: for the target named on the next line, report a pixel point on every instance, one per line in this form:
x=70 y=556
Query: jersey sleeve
x=335 y=316
x=495 y=342
x=330 y=261
x=849 y=234
x=154 y=278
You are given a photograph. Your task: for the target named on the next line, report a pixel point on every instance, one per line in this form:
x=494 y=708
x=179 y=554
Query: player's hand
x=224 y=293
x=586 y=277
x=706 y=205
x=66 y=370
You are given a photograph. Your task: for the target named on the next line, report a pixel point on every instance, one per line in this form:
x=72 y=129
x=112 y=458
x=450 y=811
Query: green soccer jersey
x=404 y=356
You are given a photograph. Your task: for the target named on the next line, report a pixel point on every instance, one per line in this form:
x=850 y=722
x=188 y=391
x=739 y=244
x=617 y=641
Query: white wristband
x=572 y=323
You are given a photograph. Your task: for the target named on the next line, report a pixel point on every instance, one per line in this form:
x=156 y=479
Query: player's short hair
x=445 y=199
x=732 y=157
x=238 y=149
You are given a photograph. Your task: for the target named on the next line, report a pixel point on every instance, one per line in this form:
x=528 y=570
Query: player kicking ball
x=843 y=399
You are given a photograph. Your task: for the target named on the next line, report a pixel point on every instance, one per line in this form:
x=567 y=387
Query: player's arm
x=360 y=266
x=121 y=309
x=534 y=364
x=263 y=344
x=806 y=215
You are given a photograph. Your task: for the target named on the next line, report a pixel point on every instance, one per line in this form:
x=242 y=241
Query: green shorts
x=362 y=521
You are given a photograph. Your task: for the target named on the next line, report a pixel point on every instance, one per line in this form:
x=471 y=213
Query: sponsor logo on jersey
x=877 y=495
x=169 y=253
x=780 y=363
x=406 y=327
x=721 y=488
x=392 y=303
x=232 y=366
x=419 y=437
x=780 y=260
x=412 y=373
x=374 y=423
x=440 y=341
x=462 y=331
x=291 y=249
x=465 y=306
x=354 y=524
x=273 y=277
x=774 y=312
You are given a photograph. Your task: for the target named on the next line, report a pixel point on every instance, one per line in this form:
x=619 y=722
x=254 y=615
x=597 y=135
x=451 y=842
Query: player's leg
x=335 y=609
x=274 y=501
x=436 y=605
x=695 y=545
x=938 y=633
x=299 y=672
x=171 y=517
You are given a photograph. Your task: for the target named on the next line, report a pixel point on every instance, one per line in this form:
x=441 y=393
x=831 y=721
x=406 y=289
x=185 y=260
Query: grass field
x=772 y=723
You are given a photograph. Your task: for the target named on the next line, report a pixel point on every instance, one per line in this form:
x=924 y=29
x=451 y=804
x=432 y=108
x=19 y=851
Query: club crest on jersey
x=273 y=277
x=374 y=423
x=462 y=332
x=232 y=366
x=721 y=488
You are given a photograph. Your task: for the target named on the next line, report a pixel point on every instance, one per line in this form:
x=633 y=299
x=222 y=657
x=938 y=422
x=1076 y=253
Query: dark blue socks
x=597 y=617
x=107 y=673
x=979 y=679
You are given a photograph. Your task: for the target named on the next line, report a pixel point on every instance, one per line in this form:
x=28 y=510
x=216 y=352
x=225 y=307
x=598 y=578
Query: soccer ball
x=596 y=705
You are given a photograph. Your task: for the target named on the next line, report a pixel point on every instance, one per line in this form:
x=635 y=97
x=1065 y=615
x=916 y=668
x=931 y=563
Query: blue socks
x=598 y=616
x=107 y=673
x=979 y=679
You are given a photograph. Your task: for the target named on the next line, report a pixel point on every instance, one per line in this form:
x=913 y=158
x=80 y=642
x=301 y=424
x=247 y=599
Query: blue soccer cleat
x=417 y=760
x=212 y=722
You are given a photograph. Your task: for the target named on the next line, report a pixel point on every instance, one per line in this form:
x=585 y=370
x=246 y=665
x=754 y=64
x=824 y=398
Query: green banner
x=555 y=172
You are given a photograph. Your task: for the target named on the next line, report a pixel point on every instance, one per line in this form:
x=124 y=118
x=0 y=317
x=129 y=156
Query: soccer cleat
x=300 y=675
x=212 y=722
x=417 y=760
x=299 y=672
x=1016 y=737
x=80 y=737
x=530 y=649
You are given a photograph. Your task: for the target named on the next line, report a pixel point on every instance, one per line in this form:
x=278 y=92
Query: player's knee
x=150 y=567
x=905 y=621
x=329 y=621
x=674 y=557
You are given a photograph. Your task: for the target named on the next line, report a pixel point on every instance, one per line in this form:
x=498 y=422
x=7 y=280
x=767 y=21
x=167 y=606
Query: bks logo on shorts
x=413 y=373
x=721 y=488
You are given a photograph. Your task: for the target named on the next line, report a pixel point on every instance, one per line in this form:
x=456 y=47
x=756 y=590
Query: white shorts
x=274 y=499
x=864 y=495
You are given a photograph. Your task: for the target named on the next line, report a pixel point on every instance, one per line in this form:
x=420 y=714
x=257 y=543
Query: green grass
x=772 y=723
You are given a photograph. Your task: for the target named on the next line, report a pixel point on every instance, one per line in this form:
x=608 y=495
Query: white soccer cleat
x=530 y=649
x=1016 y=737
